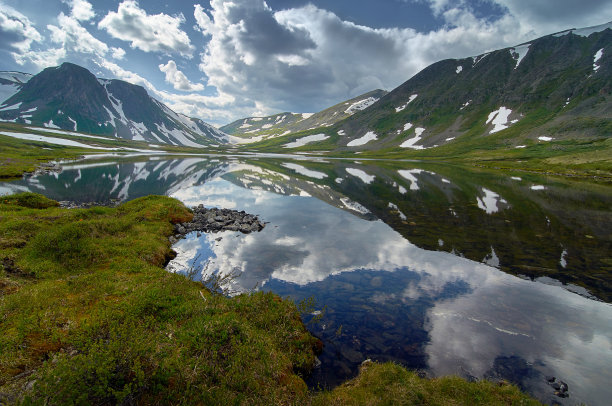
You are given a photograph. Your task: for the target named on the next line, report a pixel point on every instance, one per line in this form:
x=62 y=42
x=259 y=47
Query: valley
x=446 y=241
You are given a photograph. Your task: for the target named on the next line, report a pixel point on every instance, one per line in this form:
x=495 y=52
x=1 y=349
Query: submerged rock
x=213 y=220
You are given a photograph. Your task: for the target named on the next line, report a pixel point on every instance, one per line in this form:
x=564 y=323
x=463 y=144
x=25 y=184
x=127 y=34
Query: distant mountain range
x=257 y=128
x=554 y=88
x=70 y=97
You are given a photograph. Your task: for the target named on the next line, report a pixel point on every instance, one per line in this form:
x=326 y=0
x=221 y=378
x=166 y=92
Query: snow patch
x=563 y=259
x=307 y=115
x=50 y=124
x=449 y=139
x=341 y=133
x=407 y=126
x=459 y=69
x=11 y=107
x=266 y=126
x=464 y=105
x=479 y=58
x=545 y=138
x=360 y=105
x=246 y=125
x=365 y=178
x=488 y=203
x=410 y=100
x=585 y=32
x=519 y=52
x=351 y=205
x=305 y=171
x=300 y=142
x=74 y=123
x=520 y=146
x=596 y=58
x=499 y=119
x=394 y=207
x=409 y=143
x=51 y=140
x=408 y=174
x=369 y=136
x=538 y=187
x=66 y=133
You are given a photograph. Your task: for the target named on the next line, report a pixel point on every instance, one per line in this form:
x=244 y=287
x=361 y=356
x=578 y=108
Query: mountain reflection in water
x=413 y=264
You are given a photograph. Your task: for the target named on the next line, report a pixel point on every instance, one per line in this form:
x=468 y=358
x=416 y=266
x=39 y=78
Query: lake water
x=437 y=267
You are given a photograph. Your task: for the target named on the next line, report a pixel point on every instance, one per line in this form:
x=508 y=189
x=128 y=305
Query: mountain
x=555 y=88
x=253 y=129
x=11 y=83
x=72 y=98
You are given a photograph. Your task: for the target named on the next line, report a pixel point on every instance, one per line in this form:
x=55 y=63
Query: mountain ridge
x=551 y=89
x=72 y=98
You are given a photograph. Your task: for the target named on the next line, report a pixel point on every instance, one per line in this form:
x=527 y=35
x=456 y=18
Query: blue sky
x=221 y=60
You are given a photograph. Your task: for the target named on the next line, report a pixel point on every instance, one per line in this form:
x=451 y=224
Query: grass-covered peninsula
x=89 y=316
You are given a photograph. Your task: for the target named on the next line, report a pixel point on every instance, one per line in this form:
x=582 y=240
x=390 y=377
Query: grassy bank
x=19 y=156
x=390 y=384
x=89 y=316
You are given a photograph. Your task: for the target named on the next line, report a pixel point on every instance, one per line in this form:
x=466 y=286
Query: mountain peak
x=70 y=97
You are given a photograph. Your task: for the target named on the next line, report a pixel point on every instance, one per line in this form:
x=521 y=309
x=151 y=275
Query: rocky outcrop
x=213 y=220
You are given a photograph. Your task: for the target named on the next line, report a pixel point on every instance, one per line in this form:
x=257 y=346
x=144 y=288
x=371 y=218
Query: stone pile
x=213 y=220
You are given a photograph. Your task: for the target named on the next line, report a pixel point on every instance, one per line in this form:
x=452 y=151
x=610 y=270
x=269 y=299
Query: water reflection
x=407 y=260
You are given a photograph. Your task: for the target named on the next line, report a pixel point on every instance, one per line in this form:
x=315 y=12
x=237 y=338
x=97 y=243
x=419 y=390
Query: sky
x=222 y=60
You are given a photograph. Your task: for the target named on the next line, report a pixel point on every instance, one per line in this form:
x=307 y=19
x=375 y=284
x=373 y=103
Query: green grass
x=89 y=316
x=85 y=303
x=390 y=384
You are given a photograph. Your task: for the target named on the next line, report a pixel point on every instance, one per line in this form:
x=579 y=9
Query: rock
x=213 y=220
x=30 y=385
x=550 y=378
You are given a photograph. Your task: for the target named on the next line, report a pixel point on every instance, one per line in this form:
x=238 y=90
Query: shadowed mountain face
x=72 y=98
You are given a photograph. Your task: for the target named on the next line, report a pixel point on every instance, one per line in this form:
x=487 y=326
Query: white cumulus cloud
x=82 y=10
x=149 y=33
x=73 y=36
x=178 y=79
x=308 y=58
x=17 y=33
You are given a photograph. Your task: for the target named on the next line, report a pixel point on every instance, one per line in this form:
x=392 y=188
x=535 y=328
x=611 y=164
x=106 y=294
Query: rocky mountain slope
x=253 y=129
x=70 y=97
x=552 y=89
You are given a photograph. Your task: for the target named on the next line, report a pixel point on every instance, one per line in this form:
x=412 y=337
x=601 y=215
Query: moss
x=99 y=315
x=390 y=384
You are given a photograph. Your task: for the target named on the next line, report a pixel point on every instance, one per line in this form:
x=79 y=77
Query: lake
x=441 y=268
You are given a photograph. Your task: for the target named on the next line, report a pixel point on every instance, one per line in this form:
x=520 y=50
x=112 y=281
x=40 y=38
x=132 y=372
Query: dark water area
x=443 y=269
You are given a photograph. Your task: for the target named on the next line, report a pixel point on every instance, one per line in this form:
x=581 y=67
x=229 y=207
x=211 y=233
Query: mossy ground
x=89 y=316
x=390 y=384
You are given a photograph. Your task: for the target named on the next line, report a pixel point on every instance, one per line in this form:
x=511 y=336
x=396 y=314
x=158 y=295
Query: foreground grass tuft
x=390 y=384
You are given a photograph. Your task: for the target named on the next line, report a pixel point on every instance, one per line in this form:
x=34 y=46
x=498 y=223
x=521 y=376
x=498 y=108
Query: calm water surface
x=442 y=269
